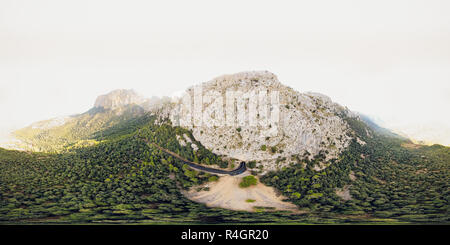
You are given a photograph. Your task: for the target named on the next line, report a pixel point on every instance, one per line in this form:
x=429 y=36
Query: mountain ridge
x=310 y=123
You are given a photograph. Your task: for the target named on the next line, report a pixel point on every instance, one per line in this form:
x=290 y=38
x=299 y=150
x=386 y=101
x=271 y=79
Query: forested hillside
x=123 y=178
x=385 y=178
x=77 y=131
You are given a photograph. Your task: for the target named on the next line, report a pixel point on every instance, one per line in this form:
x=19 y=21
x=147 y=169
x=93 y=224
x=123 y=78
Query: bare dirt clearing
x=226 y=193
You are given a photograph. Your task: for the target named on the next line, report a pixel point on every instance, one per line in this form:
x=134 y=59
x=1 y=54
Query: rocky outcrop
x=118 y=98
x=308 y=123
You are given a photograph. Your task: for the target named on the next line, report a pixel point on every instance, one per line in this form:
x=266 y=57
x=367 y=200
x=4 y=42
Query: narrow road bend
x=239 y=170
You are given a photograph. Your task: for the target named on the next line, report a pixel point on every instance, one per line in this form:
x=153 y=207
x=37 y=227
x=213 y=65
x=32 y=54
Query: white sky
x=386 y=58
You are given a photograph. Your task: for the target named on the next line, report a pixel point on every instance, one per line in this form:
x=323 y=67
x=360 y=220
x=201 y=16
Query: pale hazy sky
x=385 y=58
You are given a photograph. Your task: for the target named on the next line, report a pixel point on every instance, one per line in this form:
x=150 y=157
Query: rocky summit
x=118 y=98
x=309 y=123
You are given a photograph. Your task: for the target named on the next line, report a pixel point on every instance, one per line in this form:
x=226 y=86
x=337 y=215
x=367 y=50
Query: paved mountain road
x=239 y=170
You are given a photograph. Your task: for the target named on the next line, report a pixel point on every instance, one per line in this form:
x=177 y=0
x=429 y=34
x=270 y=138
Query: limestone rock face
x=117 y=99
x=308 y=123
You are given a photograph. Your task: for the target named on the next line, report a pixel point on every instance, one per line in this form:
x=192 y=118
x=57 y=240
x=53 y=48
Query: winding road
x=239 y=170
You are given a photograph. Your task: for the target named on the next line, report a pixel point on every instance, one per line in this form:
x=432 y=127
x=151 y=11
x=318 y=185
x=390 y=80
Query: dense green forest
x=385 y=179
x=123 y=178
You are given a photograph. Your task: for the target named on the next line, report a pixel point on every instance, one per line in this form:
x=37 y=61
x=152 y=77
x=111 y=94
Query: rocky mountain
x=288 y=125
x=80 y=130
x=125 y=160
x=308 y=123
x=118 y=98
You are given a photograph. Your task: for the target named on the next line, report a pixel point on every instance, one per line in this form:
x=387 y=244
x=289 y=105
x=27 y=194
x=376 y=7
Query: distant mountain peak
x=118 y=98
